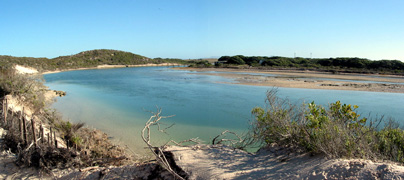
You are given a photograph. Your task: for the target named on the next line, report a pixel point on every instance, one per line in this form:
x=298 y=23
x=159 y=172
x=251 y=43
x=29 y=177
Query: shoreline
x=105 y=66
x=214 y=162
x=308 y=79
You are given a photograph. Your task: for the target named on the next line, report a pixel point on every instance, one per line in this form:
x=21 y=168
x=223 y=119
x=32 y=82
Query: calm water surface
x=118 y=102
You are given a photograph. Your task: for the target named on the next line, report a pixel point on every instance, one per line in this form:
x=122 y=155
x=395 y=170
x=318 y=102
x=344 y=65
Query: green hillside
x=84 y=59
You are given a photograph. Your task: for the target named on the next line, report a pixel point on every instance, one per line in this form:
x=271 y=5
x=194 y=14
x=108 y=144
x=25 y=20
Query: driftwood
x=157 y=151
x=32 y=143
x=192 y=140
x=165 y=158
x=89 y=168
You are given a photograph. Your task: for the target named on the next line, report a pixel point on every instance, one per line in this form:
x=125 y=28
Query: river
x=118 y=102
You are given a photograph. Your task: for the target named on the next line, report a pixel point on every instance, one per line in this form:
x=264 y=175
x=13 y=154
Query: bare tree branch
x=157 y=152
x=232 y=141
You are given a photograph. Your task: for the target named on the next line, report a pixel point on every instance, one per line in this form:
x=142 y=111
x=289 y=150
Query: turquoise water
x=117 y=101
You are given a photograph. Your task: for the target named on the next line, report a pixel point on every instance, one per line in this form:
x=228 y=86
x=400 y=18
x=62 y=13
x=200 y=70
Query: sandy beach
x=309 y=79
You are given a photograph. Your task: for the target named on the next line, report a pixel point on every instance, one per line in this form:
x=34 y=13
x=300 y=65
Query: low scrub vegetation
x=354 y=64
x=86 y=59
x=29 y=89
x=82 y=146
x=337 y=131
x=200 y=63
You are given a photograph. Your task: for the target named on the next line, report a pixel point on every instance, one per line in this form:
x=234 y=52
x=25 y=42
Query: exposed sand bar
x=309 y=79
x=105 y=66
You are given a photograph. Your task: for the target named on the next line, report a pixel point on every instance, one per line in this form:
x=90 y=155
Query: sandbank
x=309 y=79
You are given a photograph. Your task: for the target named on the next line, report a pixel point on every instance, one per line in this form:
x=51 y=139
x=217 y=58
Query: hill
x=85 y=59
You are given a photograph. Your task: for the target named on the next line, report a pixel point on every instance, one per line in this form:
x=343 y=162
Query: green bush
x=28 y=88
x=236 y=60
x=201 y=64
x=336 y=131
x=391 y=143
x=69 y=132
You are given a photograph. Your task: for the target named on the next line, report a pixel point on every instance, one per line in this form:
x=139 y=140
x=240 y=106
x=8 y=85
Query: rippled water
x=117 y=101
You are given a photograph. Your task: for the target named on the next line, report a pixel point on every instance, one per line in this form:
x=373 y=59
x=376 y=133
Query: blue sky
x=371 y=29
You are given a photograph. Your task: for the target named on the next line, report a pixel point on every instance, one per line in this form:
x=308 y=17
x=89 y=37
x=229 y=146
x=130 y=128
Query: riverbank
x=35 y=140
x=308 y=79
x=106 y=66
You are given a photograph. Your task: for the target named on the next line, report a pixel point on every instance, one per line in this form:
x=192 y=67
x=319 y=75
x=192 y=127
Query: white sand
x=25 y=70
x=220 y=162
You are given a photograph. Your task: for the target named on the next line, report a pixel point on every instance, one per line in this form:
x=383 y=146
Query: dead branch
x=89 y=168
x=193 y=140
x=164 y=130
x=157 y=152
x=232 y=141
x=32 y=143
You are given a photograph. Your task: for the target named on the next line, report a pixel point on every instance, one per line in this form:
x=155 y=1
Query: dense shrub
x=336 y=131
x=201 y=64
x=351 y=64
x=236 y=60
x=391 y=143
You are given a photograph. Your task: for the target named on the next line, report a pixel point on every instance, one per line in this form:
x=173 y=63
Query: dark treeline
x=84 y=59
x=356 y=64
